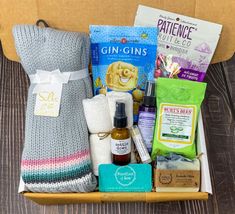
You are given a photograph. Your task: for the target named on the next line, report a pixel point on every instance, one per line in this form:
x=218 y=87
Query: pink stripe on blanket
x=54 y=165
x=57 y=160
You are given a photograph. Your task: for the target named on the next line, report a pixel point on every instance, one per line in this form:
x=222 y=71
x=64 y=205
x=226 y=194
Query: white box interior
x=201 y=149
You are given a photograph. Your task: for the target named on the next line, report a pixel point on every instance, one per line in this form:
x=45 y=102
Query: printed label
x=176 y=124
x=48 y=101
x=125 y=175
x=176 y=178
x=146 y=125
x=121 y=147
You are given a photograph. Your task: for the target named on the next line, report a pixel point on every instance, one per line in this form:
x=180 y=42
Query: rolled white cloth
x=100 y=151
x=97 y=114
x=124 y=97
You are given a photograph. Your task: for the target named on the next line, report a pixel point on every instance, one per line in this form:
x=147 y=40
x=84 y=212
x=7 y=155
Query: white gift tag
x=48 y=100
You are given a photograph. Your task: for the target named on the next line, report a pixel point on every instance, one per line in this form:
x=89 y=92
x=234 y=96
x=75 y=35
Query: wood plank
x=219 y=126
x=13 y=91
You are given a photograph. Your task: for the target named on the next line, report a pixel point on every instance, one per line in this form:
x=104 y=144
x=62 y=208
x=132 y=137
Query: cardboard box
x=97 y=197
x=77 y=15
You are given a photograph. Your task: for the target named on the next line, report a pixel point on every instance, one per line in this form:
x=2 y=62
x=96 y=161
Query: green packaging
x=178 y=105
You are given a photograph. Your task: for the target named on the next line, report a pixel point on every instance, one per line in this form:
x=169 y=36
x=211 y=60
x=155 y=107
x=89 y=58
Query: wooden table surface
x=220 y=137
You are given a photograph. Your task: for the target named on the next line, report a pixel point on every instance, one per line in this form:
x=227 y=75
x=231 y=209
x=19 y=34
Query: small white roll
x=124 y=97
x=97 y=114
x=100 y=152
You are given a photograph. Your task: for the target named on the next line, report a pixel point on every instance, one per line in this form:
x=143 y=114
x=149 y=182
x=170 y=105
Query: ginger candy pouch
x=178 y=105
x=123 y=59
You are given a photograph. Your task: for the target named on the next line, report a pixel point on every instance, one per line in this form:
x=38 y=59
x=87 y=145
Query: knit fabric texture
x=56 y=155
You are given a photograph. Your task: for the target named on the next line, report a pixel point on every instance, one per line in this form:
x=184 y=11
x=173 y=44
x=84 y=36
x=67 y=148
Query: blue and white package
x=123 y=59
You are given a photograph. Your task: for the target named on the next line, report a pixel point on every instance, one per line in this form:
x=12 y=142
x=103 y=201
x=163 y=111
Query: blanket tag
x=48 y=100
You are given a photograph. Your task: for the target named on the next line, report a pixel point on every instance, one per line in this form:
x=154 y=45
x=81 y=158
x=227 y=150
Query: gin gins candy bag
x=186 y=45
x=123 y=59
x=178 y=105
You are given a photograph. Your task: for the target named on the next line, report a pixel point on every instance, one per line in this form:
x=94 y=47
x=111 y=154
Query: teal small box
x=129 y=178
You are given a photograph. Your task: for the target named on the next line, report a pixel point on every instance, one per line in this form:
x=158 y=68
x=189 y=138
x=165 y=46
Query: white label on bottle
x=121 y=147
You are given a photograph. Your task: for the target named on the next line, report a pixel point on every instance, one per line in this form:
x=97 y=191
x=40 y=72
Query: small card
x=48 y=100
x=129 y=178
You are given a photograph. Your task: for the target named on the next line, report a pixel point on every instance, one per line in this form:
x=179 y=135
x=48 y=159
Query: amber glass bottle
x=120 y=137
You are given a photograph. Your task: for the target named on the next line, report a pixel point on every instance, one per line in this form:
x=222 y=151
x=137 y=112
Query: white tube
x=140 y=145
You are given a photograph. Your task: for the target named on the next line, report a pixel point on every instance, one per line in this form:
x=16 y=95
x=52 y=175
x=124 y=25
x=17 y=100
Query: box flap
x=76 y=15
x=22 y=187
x=201 y=149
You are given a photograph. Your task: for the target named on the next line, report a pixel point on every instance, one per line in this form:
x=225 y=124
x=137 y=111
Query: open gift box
x=76 y=16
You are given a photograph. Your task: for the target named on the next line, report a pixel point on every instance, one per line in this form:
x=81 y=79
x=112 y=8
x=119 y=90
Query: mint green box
x=129 y=178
